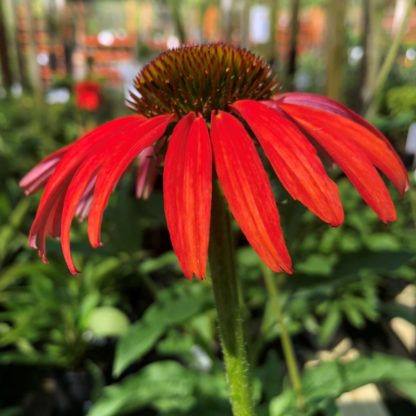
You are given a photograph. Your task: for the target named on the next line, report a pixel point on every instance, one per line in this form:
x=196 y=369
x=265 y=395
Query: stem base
x=227 y=302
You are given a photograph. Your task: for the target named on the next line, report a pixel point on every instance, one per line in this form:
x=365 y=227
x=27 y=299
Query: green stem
x=336 y=41
x=177 y=19
x=227 y=302
x=287 y=345
x=373 y=100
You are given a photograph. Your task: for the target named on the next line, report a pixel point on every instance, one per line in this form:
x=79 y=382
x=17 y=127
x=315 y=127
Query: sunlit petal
x=61 y=177
x=351 y=158
x=247 y=190
x=187 y=193
x=365 y=134
x=116 y=164
x=294 y=160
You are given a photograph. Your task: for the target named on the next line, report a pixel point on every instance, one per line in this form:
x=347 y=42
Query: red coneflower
x=210 y=106
x=87 y=95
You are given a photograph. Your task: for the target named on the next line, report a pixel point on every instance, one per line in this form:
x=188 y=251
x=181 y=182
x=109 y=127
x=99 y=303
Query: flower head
x=87 y=95
x=211 y=106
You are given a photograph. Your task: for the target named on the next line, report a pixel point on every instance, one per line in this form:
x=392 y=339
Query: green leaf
x=106 y=267
x=15 y=272
x=316 y=264
x=31 y=359
x=406 y=389
x=351 y=265
x=354 y=315
x=333 y=378
x=381 y=241
x=270 y=374
x=174 y=306
x=377 y=261
x=11 y=411
x=284 y=405
x=203 y=325
x=165 y=386
x=154 y=264
x=88 y=304
x=401 y=311
x=176 y=343
x=107 y=321
x=140 y=338
x=350 y=242
x=8 y=232
x=330 y=324
x=330 y=379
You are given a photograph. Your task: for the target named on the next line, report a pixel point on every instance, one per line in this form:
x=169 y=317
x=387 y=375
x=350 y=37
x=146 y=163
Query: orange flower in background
x=209 y=106
x=87 y=95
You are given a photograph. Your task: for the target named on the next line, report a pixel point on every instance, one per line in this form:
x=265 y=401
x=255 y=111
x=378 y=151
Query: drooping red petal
x=365 y=134
x=147 y=165
x=320 y=102
x=352 y=158
x=59 y=180
x=51 y=225
x=36 y=178
x=247 y=189
x=187 y=186
x=294 y=160
x=116 y=164
x=84 y=204
x=81 y=180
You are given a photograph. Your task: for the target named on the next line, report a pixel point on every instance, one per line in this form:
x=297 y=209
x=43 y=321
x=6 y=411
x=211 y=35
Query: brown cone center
x=201 y=79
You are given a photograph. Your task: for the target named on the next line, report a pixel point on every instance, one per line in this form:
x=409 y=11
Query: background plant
x=130 y=335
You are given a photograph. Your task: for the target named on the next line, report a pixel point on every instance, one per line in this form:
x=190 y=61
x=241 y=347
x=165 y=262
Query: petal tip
x=200 y=276
x=406 y=187
x=32 y=242
x=338 y=221
x=188 y=275
x=43 y=257
x=74 y=271
x=388 y=219
x=288 y=268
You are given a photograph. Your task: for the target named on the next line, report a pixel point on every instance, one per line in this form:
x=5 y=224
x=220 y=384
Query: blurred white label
x=106 y=37
x=226 y=5
x=57 y=96
x=259 y=24
x=411 y=139
x=173 y=42
x=128 y=71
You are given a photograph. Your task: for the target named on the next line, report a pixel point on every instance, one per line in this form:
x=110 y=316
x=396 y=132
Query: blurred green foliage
x=327 y=381
x=402 y=100
x=145 y=338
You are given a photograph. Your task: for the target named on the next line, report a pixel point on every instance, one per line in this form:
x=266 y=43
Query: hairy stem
x=227 y=302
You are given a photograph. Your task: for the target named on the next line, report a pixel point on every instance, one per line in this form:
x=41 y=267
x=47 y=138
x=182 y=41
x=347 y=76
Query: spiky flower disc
x=201 y=78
